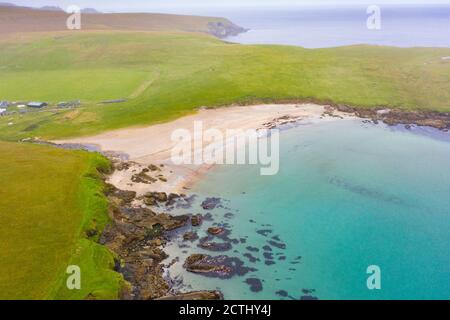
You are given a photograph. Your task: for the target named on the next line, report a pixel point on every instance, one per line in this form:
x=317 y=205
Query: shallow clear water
x=402 y=26
x=348 y=195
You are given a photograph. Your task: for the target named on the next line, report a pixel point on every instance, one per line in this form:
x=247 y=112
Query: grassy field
x=166 y=75
x=48 y=200
x=23 y=19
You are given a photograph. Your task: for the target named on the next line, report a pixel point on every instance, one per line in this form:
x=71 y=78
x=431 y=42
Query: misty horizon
x=197 y=7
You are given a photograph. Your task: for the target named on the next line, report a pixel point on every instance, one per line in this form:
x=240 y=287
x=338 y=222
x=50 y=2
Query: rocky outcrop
x=223 y=267
x=438 y=120
x=137 y=235
x=223 y=29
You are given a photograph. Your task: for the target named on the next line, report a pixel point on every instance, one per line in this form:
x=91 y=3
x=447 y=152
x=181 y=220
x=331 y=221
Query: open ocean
x=348 y=195
x=405 y=26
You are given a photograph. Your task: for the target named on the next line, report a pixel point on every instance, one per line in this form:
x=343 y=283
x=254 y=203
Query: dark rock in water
x=172 y=198
x=210 y=203
x=269 y=262
x=215 y=246
x=196 y=220
x=172 y=222
x=278 y=245
x=252 y=221
x=215 y=230
x=228 y=215
x=243 y=240
x=208 y=217
x=255 y=284
x=252 y=249
x=222 y=267
x=308 y=291
x=268 y=256
x=282 y=293
x=196 y=295
x=282 y=258
x=267 y=248
x=190 y=236
x=185 y=202
x=308 y=298
x=276 y=238
x=250 y=257
x=264 y=232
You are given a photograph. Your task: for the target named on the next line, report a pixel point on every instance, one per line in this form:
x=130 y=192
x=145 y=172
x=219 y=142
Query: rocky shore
x=137 y=235
x=434 y=119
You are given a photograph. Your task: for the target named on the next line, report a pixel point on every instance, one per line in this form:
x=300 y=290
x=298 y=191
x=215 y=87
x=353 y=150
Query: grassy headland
x=165 y=75
x=50 y=199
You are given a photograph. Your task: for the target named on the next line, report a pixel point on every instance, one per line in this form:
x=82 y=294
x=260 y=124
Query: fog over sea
x=402 y=26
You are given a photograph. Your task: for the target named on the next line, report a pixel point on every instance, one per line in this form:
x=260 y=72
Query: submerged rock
x=223 y=267
x=282 y=293
x=215 y=230
x=255 y=284
x=215 y=246
x=190 y=236
x=264 y=232
x=278 y=245
x=210 y=203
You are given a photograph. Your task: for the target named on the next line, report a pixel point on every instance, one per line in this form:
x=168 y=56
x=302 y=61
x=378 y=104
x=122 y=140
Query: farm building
x=37 y=104
x=2 y=111
x=4 y=104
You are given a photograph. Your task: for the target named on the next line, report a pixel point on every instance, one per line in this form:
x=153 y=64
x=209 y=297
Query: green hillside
x=48 y=200
x=166 y=75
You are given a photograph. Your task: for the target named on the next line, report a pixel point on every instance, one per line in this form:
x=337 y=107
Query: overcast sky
x=163 y=5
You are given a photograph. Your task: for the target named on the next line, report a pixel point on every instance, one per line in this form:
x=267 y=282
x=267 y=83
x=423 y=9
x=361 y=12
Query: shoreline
x=151 y=145
x=146 y=184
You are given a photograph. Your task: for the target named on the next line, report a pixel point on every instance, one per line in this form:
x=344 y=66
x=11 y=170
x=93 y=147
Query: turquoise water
x=348 y=195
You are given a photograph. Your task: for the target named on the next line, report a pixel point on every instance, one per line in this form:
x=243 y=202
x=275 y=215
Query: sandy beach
x=152 y=145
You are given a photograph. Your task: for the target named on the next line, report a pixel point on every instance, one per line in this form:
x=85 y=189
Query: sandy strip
x=153 y=144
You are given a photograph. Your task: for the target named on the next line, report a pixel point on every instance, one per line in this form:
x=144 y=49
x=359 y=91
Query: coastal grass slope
x=165 y=75
x=14 y=19
x=49 y=201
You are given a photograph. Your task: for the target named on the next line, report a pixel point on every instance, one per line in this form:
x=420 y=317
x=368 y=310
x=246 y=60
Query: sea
x=349 y=196
x=323 y=27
